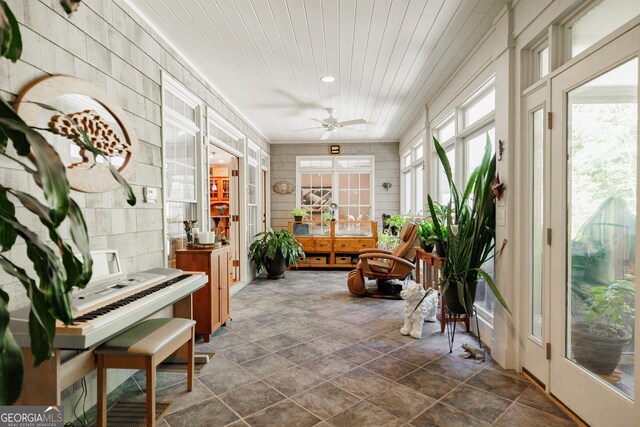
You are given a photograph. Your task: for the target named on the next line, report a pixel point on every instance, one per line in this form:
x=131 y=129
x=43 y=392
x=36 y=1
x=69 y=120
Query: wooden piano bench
x=144 y=346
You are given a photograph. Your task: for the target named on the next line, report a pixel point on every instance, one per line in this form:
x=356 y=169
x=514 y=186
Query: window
x=224 y=133
x=446 y=131
x=444 y=194
x=180 y=144
x=600 y=21
x=413 y=179
x=463 y=137
x=543 y=62
x=475 y=146
x=346 y=181
x=479 y=107
x=253 y=177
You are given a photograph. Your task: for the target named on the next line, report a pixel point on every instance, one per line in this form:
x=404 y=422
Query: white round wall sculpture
x=90 y=110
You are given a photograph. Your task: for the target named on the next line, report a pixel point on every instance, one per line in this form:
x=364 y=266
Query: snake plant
x=468 y=235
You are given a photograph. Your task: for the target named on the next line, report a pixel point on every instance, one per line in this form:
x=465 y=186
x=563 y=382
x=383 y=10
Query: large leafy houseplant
x=273 y=251
x=468 y=235
x=57 y=268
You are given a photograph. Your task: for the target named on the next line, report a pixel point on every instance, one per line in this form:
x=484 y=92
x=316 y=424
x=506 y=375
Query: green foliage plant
x=427 y=232
x=388 y=240
x=58 y=271
x=396 y=221
x=468 y=233
x=326 y=216
x=610 y=308
x=299 y=212
x=270 y=244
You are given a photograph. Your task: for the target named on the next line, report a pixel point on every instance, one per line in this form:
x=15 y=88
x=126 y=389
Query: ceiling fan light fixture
x=328 y=79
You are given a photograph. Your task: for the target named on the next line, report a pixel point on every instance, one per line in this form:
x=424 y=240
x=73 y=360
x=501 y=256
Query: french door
x=536 y=315
x=593 y=218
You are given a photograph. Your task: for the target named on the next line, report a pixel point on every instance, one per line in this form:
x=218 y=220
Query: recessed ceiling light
x=328 y=79
x=221 y=161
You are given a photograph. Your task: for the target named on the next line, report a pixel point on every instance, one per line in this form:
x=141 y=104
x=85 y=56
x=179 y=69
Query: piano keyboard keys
x=92 y=315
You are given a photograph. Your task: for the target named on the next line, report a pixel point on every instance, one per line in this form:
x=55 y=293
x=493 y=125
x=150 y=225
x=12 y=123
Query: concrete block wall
x=283 y=168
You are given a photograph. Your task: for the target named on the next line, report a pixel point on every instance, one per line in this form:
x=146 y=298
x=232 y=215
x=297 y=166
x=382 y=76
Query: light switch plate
x=501 y=217
x=150 y=194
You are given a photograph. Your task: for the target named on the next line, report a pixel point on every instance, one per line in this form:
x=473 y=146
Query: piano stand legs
x=102 y=392
x=151 y=391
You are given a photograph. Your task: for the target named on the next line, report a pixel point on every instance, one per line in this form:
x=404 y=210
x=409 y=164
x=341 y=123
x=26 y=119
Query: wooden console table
x=334 y=244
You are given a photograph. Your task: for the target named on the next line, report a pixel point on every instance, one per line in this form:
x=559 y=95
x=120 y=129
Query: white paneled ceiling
x=267 y=56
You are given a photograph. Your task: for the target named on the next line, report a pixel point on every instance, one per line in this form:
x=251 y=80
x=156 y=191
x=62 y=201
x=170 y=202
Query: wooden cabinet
x=218 y=189
x=211 y=303
x=334 y=244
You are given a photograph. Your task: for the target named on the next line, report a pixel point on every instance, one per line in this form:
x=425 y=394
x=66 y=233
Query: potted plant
x=427 y=234
x=602 y=324
x=273 y=251
x=395 y=222
x=467 y=236
x=388 y=241
x=325 y=217
x=299 y=214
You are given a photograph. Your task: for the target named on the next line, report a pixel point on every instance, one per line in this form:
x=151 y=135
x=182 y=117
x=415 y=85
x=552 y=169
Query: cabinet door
x=224 y=258
x=214 y=283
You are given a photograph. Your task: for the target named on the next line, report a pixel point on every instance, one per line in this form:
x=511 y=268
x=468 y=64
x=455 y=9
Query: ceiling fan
x=331 y=124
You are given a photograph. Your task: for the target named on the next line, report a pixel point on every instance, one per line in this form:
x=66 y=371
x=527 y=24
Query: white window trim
x=216 y=119
x=169 y=84
x=335 y=170
x=415 y=163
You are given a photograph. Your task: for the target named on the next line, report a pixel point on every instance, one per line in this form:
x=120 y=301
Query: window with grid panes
x=346 y=181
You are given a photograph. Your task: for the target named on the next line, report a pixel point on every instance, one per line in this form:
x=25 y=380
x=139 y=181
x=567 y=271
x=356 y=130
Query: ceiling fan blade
x=301 y=130
x=316 y=120
x=352 y=122
x=325 y=135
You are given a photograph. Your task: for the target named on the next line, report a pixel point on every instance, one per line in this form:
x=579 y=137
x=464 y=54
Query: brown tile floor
x=301 y=352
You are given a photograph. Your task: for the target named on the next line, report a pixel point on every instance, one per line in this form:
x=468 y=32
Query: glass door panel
x=602 y=125
x=593 y=215
x=535 y=171
x=536 y=135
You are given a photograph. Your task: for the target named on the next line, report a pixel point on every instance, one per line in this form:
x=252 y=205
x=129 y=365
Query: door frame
x=569 y=382
x=237 y=207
